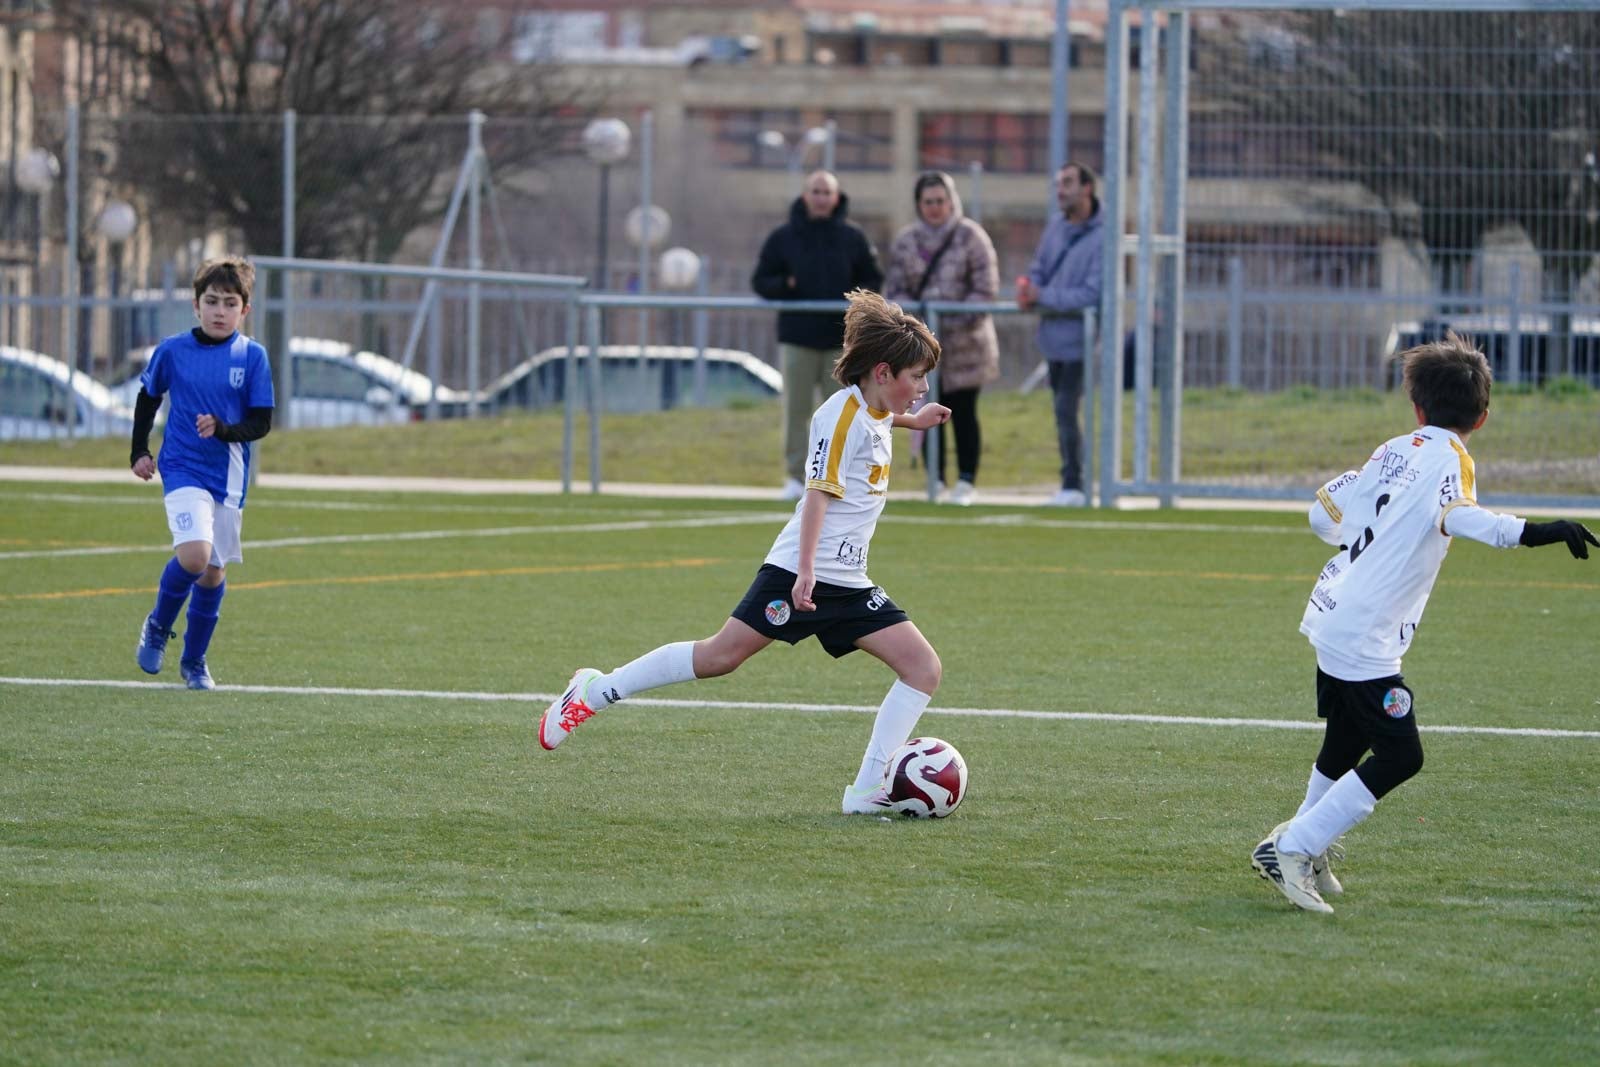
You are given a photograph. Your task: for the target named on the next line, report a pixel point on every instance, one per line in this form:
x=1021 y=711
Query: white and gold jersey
x=1392 y=521
x=849 y=460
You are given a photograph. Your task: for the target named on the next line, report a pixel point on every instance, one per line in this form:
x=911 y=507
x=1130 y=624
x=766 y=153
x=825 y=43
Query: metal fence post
x=1235 y=322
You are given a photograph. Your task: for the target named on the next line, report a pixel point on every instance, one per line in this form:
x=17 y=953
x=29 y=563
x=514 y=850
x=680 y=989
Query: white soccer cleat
x=1291 y=873
x=868 y=800
x=963 y=494
x=568 y=710
x=1321 y=868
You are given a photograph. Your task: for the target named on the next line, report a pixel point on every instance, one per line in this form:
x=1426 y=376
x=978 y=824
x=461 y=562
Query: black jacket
x=827 y=258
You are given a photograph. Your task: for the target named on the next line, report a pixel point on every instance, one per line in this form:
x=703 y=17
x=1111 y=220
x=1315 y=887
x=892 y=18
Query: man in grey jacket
x=1062 y=281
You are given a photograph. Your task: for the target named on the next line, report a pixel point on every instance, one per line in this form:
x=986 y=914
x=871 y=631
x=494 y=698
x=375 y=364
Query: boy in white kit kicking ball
x=1393 y=521
x=814 y=580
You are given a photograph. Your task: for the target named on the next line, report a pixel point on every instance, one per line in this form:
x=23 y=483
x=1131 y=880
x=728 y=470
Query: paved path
x=1008 y=497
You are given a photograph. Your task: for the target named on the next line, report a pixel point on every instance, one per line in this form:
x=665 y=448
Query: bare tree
x=1456 y=123
x=382 y=88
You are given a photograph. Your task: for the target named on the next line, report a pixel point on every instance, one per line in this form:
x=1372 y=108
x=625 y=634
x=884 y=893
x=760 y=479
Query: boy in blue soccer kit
x=221 y=391
x=1392 y=521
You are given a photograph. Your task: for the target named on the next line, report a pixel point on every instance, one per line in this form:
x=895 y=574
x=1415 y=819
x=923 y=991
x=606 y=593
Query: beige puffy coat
x=969 y=270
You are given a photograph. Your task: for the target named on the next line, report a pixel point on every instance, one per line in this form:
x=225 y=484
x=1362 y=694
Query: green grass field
x=1545 y=442
x=355 y=851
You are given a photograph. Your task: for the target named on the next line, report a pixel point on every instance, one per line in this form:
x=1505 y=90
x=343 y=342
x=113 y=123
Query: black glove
x=1552 y=533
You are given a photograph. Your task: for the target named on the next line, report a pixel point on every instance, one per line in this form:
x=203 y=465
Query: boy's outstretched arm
x=1573 y=534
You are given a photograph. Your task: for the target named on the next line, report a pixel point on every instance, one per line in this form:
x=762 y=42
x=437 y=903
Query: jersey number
x=1364 y=542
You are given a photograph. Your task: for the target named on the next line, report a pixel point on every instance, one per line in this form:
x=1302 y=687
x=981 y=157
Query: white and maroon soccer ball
x=927 y=778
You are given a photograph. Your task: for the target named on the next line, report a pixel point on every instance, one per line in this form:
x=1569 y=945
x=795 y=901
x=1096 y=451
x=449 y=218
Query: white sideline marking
x=753 y=705
x=701 y=522
x=420 y=535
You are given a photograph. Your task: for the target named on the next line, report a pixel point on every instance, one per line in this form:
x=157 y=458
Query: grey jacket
x=1071 y=286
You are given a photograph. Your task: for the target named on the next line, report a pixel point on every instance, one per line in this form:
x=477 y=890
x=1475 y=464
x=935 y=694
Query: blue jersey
x=217 y=378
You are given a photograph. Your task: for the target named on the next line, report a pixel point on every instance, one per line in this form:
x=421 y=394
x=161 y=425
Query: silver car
x=42 y=397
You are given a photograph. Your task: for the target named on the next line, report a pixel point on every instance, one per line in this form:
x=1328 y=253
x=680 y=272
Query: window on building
x=1004 y=143
x=776 y=139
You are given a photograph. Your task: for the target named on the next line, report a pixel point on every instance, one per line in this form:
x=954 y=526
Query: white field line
x=421 y=535
x=773 y=519
x=752 y=705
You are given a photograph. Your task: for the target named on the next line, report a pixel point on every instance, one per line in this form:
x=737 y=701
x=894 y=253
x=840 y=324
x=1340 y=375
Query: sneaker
x=1291 y=873
x=195 y=675
x=1321 y=867
x=963 y=494
x=1069 y=498
x=568 y=710
x=868 y=800
x=152 y=650
x=792 y=490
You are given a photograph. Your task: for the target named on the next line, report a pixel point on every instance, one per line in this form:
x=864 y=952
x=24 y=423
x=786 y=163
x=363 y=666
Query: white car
x=664 y=378
x=336 y=385
x=42 y=397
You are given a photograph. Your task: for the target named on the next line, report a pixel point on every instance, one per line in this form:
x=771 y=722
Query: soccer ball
x=927 y=778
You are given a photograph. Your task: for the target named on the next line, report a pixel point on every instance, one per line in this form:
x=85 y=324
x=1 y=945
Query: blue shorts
x=844 y=614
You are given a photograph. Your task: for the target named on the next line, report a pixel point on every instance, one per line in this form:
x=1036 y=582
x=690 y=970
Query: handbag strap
x=916 y=294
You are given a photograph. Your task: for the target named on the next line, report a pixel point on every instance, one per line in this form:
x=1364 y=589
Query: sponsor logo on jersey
x=1449 y=489
x=236 y=377
x=778 y=612
x=878 y=598
x=1397 y=703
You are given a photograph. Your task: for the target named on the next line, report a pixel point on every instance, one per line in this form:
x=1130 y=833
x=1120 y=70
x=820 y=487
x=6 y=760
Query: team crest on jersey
x=778 y=612
x=236 y=377
x=1397 y=703
x=184 y=520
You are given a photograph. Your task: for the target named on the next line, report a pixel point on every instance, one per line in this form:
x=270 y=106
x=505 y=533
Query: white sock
x=1315 y=788
x=662 y=666
x=897 y=717
x=1345 y=804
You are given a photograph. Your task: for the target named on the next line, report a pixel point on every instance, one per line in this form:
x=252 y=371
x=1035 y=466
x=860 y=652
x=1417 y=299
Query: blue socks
x=204 y=607
x=171 y=593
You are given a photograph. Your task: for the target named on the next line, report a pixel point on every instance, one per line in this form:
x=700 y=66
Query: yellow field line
x=370 y=579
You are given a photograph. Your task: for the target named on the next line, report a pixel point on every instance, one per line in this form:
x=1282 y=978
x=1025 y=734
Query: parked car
x=1539 y=349
x=663 y=378
x=335 y=385
x=40 y=397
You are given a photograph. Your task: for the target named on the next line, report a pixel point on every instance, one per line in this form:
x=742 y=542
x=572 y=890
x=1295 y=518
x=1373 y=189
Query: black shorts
x=844 y=614
x=1380 y=707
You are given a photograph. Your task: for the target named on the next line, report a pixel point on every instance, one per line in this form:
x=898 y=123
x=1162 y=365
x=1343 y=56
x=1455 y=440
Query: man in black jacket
x=817 y=255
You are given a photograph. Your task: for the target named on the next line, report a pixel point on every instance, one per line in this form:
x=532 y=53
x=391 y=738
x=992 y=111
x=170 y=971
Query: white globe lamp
x=117 y=221
x=679 y=268
x=37 y=171
x=605 y=141
x=660 y=226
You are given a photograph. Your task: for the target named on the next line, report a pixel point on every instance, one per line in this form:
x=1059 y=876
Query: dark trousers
x=1066 y=382
x=963 y=405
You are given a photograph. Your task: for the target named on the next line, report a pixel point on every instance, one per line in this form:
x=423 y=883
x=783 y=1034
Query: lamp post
x=681 y=269
x=117 y=222
x=605 y=141
x=37 y=172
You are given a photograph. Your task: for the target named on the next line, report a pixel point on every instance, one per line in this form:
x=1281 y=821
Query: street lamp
x=117 y=222
x=681 y=269
x=37 y=172
x=605 y=141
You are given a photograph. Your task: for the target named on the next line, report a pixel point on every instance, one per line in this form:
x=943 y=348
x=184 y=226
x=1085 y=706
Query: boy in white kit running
x=814 y=580
x=221 y=391
x=1393 y=521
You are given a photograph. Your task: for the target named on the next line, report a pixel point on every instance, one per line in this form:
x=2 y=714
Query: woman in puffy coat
x=946 y=256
